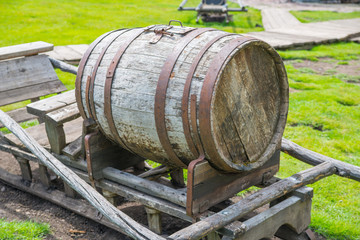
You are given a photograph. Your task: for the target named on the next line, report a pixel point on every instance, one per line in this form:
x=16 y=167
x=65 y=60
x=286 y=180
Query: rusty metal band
x=207 y=93
x=80 y=72
x=193 y=118
x=109 y=80
x=160 y=95
x=186 y=92
x=90 y=95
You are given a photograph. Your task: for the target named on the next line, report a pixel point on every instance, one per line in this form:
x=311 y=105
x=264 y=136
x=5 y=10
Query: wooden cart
x=213 y=10
x=79 y=152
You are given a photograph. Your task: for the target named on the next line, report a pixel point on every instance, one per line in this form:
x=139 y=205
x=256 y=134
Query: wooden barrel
x=172 y=94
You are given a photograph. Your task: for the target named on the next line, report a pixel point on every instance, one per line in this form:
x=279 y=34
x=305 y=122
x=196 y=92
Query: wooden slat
x=27 y=78
x=67 y=53
x=29 y=92
x=24 y=72
x=146 y=186
x=47 y=105
x=72 y=130
x=73 y=150
x=20 y=115
x=79 y=48
x=101 y=153
x=64 y=114
x=25 y=49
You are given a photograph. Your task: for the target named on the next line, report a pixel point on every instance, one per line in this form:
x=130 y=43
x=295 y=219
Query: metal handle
x=175 y=21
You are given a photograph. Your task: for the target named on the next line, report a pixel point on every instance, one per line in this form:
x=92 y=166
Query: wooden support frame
x=154 y=219
x=25 y=169
x=207 y=186
x=215 y=222
x=101 y=153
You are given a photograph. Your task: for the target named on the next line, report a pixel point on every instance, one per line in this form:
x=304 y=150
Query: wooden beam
x=63 y=66
x=42 y=107
x=20 y=115
x=154 y=219
x=158 y=171
x=25 y=49
x=143 y=185
x=120 y=219
x=313 y=158
x=250 y=203
x=63 y=115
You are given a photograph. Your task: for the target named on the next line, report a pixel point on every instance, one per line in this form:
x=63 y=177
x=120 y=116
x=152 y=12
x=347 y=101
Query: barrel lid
x=248 y=107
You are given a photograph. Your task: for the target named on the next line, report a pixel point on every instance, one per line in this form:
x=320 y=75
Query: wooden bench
x=26 y=75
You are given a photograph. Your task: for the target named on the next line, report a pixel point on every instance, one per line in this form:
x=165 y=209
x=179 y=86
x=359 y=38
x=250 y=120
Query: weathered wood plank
x=261 y=197
x=73 y=150
x=47 y=105
x=25 y=49
x=62 y=115
x=72 y=131
x=37 y=132
x=63 y=66
x=28 y=92
x=27 y=78
x=158 y=171
x=56 y=136
x=135 y=195
x=25 y=72
x=44 y=176
x=79 y=48
x=294 y=212
x=343 y=169
x=117 y=217
x=20 y=115
x=154 y=220
x=210 y=187
x=143 y=185
x=67 y=53
x=25 y=169
x=101 y=153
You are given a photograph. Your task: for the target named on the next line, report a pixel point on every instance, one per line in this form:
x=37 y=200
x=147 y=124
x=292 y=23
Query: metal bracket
x=159 y=33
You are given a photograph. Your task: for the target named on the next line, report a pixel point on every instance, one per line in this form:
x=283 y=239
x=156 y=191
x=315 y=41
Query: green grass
x=324 y=116
x=76 y=22
x=319 y=16
x=339 y=51
x=23 y=230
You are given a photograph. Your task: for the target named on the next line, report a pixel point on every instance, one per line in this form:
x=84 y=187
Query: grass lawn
x=319 y=16
x=324 y=116
x=76 y=22
x=324 y=113
x=23 y=230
